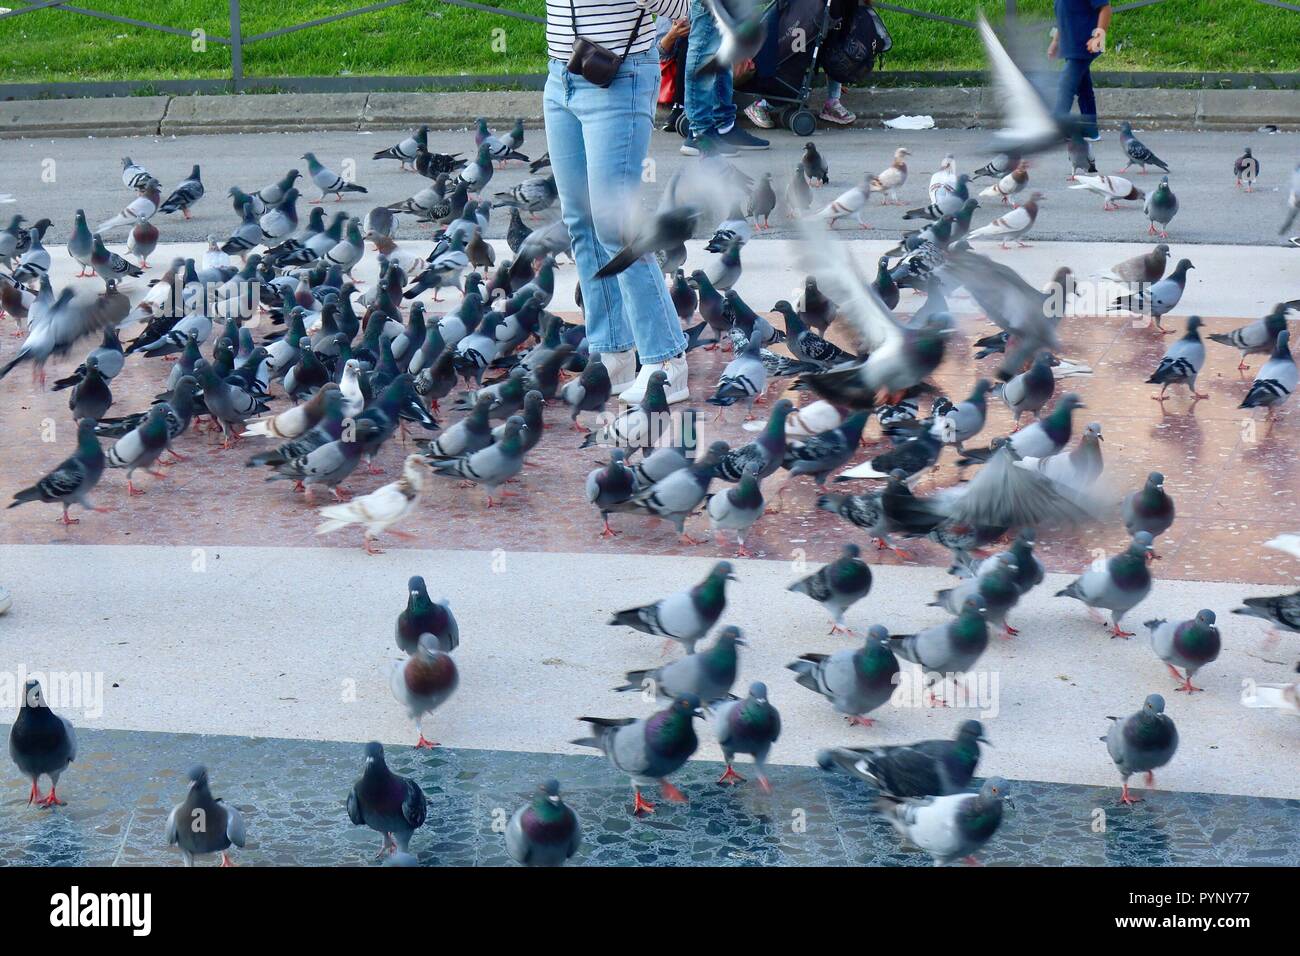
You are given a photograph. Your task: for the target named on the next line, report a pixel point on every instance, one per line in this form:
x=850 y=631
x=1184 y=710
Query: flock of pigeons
x=360 y=366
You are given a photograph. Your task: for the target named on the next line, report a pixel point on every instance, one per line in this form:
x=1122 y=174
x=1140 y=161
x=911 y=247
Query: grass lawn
x=426 y=37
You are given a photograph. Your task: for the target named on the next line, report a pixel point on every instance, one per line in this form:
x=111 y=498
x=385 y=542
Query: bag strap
x=636 y=27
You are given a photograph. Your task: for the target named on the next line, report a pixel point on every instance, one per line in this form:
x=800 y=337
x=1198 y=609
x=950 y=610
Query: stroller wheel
x=683 y=127
x=801 y=122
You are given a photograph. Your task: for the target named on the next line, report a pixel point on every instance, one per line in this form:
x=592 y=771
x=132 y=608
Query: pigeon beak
x=1009 y=802
x=732 y=577
x=741 y=642
x=985 y=741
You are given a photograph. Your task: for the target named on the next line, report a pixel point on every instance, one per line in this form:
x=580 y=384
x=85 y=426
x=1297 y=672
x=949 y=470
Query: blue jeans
x=1076 y=80
x=598 y=139
x=710 y=105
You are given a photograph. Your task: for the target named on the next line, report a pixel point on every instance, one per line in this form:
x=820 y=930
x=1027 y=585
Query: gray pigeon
x=648 y=750
x=675 y=497
x=491 y=466
x=952 y=827
x=328 y=181
x=41 y=742
x=1187 y=644
x=736 y=509
x=685 y=616
x=1149 y=509
x=142 y=446
x=545 y=832
x=1181 y=362
x=838 y=586
x=1276 y=379
x=929 y=768
x=609 y=485
x=855 y=681
x=1141 y=742
x=996 y=588
x=423 y=683
x=708 y=675
x=744 y=379
x=1258 y=337
x=74 y=478
x=1137 y=151
x=1118 y=587
x=1158 y=298
x=946 y=649
x=386 y=803
x=202 y=823
x=747 y=726
x=1160 y=207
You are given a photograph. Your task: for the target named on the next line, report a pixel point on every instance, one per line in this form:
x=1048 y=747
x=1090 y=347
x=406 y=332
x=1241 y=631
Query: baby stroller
x=786 y=65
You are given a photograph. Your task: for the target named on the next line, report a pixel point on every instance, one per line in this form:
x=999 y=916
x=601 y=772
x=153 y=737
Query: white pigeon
x=891 y=180
x=1109 y=188
x=1008 y=185
x=383 y=507
x=1028 y=124
x=1012 y=226
x=1288 y=543
x=852 y=202
x=142 y=206
x=1283 y=697
x=951 y=827
x=944 y=181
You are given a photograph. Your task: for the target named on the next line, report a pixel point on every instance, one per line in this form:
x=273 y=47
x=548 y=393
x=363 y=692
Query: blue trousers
x=710 y=105
x=1076 y=82
x=598 y=140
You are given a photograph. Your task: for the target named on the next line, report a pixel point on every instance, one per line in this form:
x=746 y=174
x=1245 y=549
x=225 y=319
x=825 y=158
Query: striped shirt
x=607 y=22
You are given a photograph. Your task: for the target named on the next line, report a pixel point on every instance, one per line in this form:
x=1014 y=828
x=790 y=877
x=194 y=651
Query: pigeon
x=820 y=454
x=1258 y=337
x=91 y=397
x=1150 y=508
x=202 y=823
x=736 y=509
x=328 y=181
x=491 y=466
x=80 y=243
x=478 y=173
x=386 y=803
x=1009 y=185
x=946 y=649
x=743 y=380
x=382 y=508
x=109 y=356
x=1141 y=743
x=35 y=261
x=589 y=392
x=1187 y=644
x=41 y=742
x=838 y=586
x=1181 y=362
x=707 y=675
x=142 y=446
x=1145 y=268
x=188 y=192
x=891 y=180
x=133 y=174
x=295 y=421
x=1048 y=436
x=1161 y=207
x=1283 y=697
x=424 y=682
x=407 y=149
x=995 y=587
x=964 y=420
x=1276 y=379
x=743 y=29
x=143 y=206
x=545 y=832
x=1121 y=585
x=1013 y=225
x=1159 y=297
x=852 y=202
x=611 y=485
x=813 y=166
x=664 y=230
x=73 y=479
x=247 y=235
x=1111 y=189
x=686 y=616
x=762 y=201
x=229 y=402
x=142 y=241
x=747 y=726
x=109 y=266
x=280 y=219
x=502 y=149
x=1280 y=610
x=951 y=827
x=856 y=682
x=533 y=196
x=1293 y=205
x=1030 y=390
x=424 y=616
x=928 y=768
x=798 y=197
x=1137 y=152
x=1076 y=470
x=648 y=750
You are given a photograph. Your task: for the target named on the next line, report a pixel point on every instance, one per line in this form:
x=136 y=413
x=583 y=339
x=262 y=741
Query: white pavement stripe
x=297 y=643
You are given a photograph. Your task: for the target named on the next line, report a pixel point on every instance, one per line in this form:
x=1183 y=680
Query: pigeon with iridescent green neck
x=1150 y=508
x=928 y=768
x=675 y=497
x=838 y=586
x=650 y=749
x=855 y=681
x=736 y=509
x=996 y=588
x=949 y=648
x=545 y=832
x=1121 y=585
x=391 y=805
x=1141 y=743
x=747 y=726
x=492 y=466
x=425 y=616
x=1187 y=644
x=708 y=675
x=74 y=478
x=764 y=454
x=686 y=616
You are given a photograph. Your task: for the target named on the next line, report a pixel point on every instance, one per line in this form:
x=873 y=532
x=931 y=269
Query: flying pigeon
x=743 y=28
x=1141 y=743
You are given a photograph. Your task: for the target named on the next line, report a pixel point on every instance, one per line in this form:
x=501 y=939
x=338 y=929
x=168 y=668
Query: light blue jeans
x=710 y=101
x=598 y=140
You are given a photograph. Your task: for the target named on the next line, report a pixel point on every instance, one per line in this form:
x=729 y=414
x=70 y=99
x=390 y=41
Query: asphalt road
x=51 y=177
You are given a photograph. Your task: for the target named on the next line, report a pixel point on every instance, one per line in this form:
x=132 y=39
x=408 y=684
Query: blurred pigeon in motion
x=1137 y=152
x=545 y=832
x=743 y=30
x=1280 y=610
x=202 y=824
x=1293 y=206
x=41 y=743
x=838 y=586
x=747 y=726
x=1187 y=644
x=1029 y=126
x=423 y=683
x=928 y=768
x=707 y=675
x=424 y=616
x=1121 y=585
x=1283 y=697
x=952 y=827
x=1141 y=743
x=648 y=750
x=662 y=231
x=686 y=616
x=386 y=803
x=855 y=681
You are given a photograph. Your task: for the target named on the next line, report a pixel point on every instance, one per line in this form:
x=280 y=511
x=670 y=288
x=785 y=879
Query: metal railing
x=237 y=40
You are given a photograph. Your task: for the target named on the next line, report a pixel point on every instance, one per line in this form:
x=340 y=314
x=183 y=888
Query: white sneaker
x=621 y=367
x=675 y=388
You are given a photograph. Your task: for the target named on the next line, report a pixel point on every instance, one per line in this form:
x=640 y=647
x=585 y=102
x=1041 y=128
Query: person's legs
x=833 y=111
x=1087 y=101
x=724 y=102
x=1068 y=86
x=607 y=326
x=702 y=42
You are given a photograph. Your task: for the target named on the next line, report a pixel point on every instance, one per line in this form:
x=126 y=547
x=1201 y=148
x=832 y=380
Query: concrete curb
x=952 y=107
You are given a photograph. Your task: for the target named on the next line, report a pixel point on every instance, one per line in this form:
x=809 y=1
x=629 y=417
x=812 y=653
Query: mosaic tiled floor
x=292 y=794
